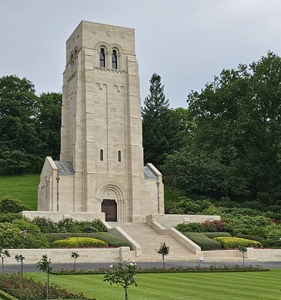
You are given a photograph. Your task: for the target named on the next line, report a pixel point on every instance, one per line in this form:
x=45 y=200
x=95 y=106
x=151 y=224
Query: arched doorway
x=109 y=207
x=112 y=203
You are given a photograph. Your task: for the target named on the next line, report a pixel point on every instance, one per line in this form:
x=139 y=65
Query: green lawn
x=22 y=187
x=211 y=286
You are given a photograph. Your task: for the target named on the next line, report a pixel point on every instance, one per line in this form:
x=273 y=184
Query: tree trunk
x=2 y=266
x=126 y=293
x=163 y=257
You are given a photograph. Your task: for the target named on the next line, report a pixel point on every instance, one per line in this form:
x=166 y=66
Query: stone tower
x=101 y=164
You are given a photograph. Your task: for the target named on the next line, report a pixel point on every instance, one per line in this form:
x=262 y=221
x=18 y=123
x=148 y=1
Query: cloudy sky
x=186 y=42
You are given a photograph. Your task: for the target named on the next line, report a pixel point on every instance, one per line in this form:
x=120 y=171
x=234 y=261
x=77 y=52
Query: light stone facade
x=101 y=162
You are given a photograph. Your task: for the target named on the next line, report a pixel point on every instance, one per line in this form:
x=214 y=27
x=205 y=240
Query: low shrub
x=69 y=225
x=251 y=237
x=28 y=289
x=203 y=241
x=216 y=234
x=79 y=242
x=104 y=236
x=190 y=227
x=22 y=234
x=232 y=242
x=10 y=217
x=9 y=204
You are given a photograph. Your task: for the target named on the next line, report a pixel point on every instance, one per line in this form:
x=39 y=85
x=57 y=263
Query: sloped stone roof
x=64 y=167
x=149 y=174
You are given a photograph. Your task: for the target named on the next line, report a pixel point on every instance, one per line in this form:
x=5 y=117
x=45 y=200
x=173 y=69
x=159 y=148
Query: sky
x=186 y=42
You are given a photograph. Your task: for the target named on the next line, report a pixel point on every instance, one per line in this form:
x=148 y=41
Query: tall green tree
x=163 y=128
x=18 y=112
x=239 y=116
x=49 y=123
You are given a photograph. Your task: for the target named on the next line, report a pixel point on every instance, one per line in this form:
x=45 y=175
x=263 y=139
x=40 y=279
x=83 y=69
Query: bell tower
x=101 y=130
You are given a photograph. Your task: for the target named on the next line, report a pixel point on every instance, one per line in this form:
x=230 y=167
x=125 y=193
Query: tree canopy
x=238 y=126
x=29 y=125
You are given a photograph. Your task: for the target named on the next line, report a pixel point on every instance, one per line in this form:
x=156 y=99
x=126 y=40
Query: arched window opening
x=101 y=154
x=119 y=156
x=114 y=59
x=102 y=58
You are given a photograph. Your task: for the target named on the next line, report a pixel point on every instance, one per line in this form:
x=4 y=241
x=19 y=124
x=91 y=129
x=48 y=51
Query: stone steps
x=150 y=241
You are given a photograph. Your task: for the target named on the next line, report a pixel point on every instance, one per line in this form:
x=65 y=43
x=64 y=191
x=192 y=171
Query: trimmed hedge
x=203 y=241
x=104 y=236
x=10 y=217
x=232 y=242
x=216 y=234
x=251 y=237
x=9 y=204
x=6 y=296
x=79 y=242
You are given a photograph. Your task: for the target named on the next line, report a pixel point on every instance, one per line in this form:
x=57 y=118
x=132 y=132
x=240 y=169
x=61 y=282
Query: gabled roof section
x=149 y=173
x=64 y=167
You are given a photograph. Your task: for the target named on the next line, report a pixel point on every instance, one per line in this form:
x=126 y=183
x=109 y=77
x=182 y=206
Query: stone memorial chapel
x=101 y=162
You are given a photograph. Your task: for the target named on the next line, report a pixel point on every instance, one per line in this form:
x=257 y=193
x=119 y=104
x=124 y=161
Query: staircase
x=150 y=241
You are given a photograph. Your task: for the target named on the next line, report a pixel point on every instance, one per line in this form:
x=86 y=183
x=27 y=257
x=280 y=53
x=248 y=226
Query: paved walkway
x=31 y=268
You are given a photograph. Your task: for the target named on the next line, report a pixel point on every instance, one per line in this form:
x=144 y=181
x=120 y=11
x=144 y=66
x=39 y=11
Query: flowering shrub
x=214 y=226
x=28 y=289
x=21 y=234
x=69 y=225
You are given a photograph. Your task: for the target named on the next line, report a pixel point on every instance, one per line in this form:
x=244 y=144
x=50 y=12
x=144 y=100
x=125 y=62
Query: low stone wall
x=32 y=256
x=169 y=221
x=58 y=216
x=254 y=255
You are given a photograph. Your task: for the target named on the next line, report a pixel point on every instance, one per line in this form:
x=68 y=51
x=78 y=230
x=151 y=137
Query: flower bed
x=28 y=289
x=197 y=269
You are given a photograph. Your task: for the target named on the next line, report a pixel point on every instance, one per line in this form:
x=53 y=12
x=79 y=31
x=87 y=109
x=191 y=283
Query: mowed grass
x=204 y=286
x=23 y=187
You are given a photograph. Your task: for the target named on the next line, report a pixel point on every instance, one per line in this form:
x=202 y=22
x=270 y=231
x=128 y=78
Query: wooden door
x=109 y=207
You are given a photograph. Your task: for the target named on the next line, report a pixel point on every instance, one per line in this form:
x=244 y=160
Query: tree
x=45 y=265
x=49 y=123
x=243 y=250
x=238 y=116
x=163 y=250
x=154 y=112
x=3 y=254
x=20 y=258
x=18 y=112
x=122 y=275
x=74 y=255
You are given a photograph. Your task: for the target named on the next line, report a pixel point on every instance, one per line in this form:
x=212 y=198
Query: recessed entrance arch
x=109 y=207
x=112 y=203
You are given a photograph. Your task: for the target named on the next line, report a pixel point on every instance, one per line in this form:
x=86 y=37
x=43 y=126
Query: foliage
x=122 y=275
x=45 y=265
x=180 y=269
x=47 y=225
x=238 y=116
x=3 y=254
x=231 y=242
x=104 y=236
x=74 y=255
x=194 y=171
x=251 y=237
x=163 y=250
x=79 y=242
x=247 y=225
x=203 y=241
x=209 y=226
x=28 y=289
x=20 y=258
x=22 y=234
x=10 y=217
x=216 y=234
x=9 y=204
